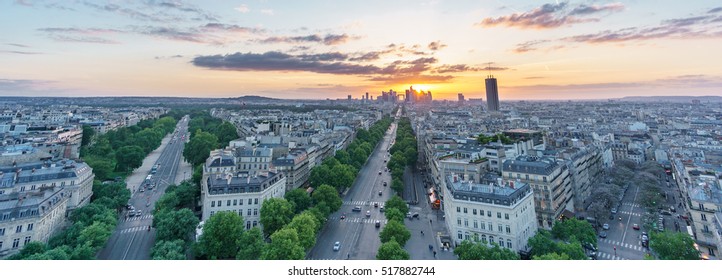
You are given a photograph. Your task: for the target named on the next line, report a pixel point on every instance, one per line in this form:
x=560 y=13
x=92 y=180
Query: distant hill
x=254 y=98
x=676 y=99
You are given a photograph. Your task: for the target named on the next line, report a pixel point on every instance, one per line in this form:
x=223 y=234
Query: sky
x=330 y=49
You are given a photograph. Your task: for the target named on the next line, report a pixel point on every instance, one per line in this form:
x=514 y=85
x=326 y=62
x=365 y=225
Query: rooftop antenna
x=489 y=68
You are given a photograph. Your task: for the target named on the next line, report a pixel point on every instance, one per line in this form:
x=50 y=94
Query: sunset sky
x=329 y=49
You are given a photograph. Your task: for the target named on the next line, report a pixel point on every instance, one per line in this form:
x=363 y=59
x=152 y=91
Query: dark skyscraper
x=492 y=94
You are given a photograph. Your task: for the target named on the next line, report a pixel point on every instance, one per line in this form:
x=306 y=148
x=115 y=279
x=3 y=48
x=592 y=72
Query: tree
x=397 y=185
x=574 y=250
x=275 y=213
x=187 y=193
x=220 y=236
x=95 y=235
x=102 y=167
x=251 y=245
x=469 y=250
x=84 y=251
x=168 y=250
x=395 y=230
x=398 y=203
x=552 y=256
x=320 y=175
x=305 y=226
x=541 y=243
x=129 y=157
x=343 y=157
x=197 y=150
x=326 y=198
x=394 y=214
x=168 y=202
x=88 y=133
x=391 y=251
x=300 y=200
x=673 y=246
x=176 y=225
x=318 y=214
x=574 y=228
x=284 y=246
x=117 y=192
x=226 y=132
x=29 y=249
x=342 y=176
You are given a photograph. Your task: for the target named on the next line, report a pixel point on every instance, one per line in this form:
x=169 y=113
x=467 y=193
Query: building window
x=255 y=201
x=213 y=204
x=27 y=240
x=228 y=202
x=255 y=212
x=488 y=213
x=466 y=223
x=501 y=229
x=498 y=215
x=465 y=211
x=1 y=245
x=458 y=221
x=491 y=240
x=248 y=224
x=255 y=223
x=473 y=211
x=506 y=216
x=483 y=238
x=704 y=217
x=19 y=229
x=491 y=227
x=2 y=231
x=249 y=212
x=212 y=213
x=476 y=224
x=501 y=242
x=250 y=201
x=235 y=202
x=481 y=212
x=508 y=229
x=240 y=202
x=458 y=209
x=30 y=227
x=16 y=243
x=483 y=226
x=240 y=212
x=220 y=202
x=508 y=243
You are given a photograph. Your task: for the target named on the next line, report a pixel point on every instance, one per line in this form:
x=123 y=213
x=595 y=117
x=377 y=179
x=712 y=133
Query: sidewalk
x=185 y=171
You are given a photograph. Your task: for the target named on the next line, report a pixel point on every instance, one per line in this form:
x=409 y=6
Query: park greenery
x=480 y=250
x=484 y=139
x=403 y=153
x=564 y=241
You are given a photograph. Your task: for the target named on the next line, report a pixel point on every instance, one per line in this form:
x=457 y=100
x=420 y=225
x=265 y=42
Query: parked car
x=139 y=213
x=337 y=246
x=635 y=227
x=131 y=213
x=415 y=215
x=605 y=227
x=603 y=234
x=356 y=209
x=589 y=246
x=408 y=215
x=614 y=210
x=665 y=212
x=671 y=209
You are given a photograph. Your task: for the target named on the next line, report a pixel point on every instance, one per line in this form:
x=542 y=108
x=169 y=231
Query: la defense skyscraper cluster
x=492 y=94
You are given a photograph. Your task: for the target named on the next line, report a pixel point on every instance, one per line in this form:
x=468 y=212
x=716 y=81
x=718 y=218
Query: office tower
x=492 y=94
x=349 y=97
x=461 y=97
x=367 y=96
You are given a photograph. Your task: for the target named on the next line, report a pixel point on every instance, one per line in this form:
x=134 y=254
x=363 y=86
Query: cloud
x=681 y=28
x=24 y=3
x=17 y=45
x=466 y=68
x=19 y=52
x=277 y=61
x=169 y=57
x=267 y=12
x=551 y=16
x=435 y=46
x=242 y=8
x=156 y=11
x=220 y=27
x=528 y=46
x=715 y=10
x=80 y=35
x=24 y=86
x=329 y=39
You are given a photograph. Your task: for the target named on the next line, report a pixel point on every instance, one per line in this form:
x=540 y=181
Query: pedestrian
x=348 y=256
x=434 y=253
x=431 y=222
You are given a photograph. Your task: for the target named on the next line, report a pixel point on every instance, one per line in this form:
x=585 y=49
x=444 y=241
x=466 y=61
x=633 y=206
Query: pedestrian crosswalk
x=631 y=204
x=134 y=229
x=605 y=256
x=358 y=220
x=138 y=218
x=637 y=247
x=631 y=213
x=362 y=203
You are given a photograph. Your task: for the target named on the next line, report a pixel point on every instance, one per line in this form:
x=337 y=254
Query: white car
x=337 y=246
x=605 y=227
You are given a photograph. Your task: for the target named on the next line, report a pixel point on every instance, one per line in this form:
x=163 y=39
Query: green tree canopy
x=300 y=200
x=579 y=229
x=395 y=230
x=168 y=250
x=305 y=226
x=251 y=245
x=327 y=199
x=275 y=213
x=469 y=250
x=284 y=246
x=176 y=225
x=552 y=257
x=197 y=150
x=394 y=214
x=220 y=236
x=129 y=157
x=391 y=250
x=673 y=246
x=398 y=203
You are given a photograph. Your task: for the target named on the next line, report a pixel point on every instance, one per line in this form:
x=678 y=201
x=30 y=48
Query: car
x=635 y=227
x=368 y=214
x=614 y=210
x=415 y=215
x=142 y=189
x=380 y=193
x=589 y=246
x=408 y=215
x=129 y=207
x=665 y=212
x=131 y=213
x=356 y=209
x=139 y=213
x=671 y=209
x=385 y=184
x=380 y=172
x=376 y=205
x=343 y=216
x=382 y=209
x=605 y=227
x=384 y=160
x=592 y=255
x=337 y=246
x=378 y=224
x=603 y=234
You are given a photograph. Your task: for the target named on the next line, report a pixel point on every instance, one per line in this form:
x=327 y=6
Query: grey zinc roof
x=531 y=165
